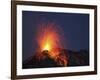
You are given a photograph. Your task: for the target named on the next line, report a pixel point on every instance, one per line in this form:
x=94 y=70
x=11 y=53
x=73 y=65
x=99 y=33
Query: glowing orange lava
x=50 y=39
x=47 y=46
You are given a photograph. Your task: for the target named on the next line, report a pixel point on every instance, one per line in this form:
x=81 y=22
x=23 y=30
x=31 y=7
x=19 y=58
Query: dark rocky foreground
x=79 y=58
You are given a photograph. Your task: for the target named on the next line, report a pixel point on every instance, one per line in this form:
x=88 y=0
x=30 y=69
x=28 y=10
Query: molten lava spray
x=50 y=38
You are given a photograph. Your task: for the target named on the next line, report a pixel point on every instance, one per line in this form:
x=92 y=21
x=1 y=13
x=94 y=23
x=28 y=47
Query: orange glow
x=47 y=46
x=50 y=38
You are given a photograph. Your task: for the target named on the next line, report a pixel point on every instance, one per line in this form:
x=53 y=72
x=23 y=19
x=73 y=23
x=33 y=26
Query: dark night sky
x=75 y=28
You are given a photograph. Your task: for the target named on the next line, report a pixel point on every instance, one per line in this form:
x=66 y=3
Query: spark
x=50 y=38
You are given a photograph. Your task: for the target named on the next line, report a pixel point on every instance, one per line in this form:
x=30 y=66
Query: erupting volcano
x=50 y=41
x=54 y=39
x=51 y=51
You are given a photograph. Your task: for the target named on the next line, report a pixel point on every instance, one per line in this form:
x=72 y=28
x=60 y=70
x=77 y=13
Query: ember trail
x=50 y=41
x=51 y=51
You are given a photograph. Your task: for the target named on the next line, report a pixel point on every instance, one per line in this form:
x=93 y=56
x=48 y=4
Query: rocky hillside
x=66 y=58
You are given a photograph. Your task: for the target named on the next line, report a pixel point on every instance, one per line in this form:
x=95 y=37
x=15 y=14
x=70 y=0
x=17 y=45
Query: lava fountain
x=50 y=38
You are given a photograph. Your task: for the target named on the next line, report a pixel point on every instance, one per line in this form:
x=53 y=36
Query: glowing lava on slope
x=50 y=38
